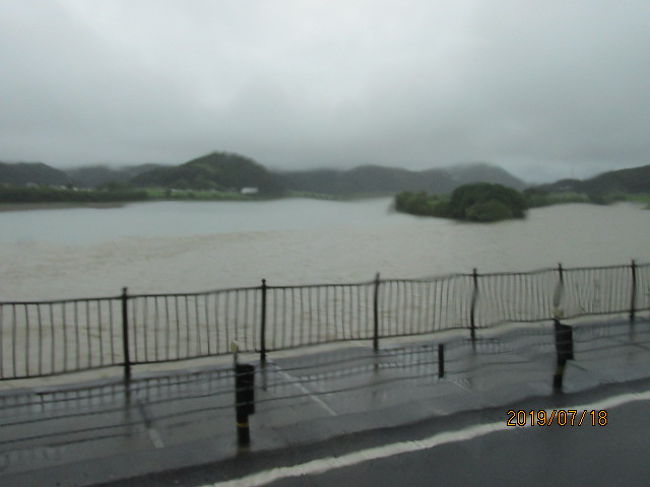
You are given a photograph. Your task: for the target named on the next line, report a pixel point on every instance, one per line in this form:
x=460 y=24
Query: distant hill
x=631 y=180
x=219 y=170
x=24 y=173
x=481 y=172
x=93 y=176
x=231 y=172
x=365 y=179
x=381 y=179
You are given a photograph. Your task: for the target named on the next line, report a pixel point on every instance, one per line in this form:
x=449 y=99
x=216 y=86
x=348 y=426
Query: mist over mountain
x=483 y=172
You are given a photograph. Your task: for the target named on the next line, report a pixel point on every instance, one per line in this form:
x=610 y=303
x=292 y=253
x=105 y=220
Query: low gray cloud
x=545 y=89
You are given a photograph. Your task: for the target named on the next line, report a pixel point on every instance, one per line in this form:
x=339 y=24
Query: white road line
x=304 y=390
x=323 y=465
x=155 y=438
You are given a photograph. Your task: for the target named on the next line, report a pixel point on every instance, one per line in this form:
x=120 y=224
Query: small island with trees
x=477 y=202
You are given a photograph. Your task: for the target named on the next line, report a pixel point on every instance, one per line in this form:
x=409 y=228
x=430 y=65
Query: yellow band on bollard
x=242 y=425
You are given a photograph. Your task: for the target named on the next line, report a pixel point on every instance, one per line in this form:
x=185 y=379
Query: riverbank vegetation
x=113 y=193
x=49 y=194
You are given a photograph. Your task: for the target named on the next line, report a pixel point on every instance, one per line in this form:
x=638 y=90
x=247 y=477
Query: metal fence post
x=633 y=297
x=441 y=360
x=375 y=311
x=263 y=325
x=125 y=336
x=472 y=313
x=558 y=294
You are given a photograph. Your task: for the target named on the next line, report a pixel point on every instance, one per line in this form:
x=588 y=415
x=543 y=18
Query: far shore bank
x=57 y=206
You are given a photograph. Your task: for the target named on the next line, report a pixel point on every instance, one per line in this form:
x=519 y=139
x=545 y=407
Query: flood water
x=193 y=246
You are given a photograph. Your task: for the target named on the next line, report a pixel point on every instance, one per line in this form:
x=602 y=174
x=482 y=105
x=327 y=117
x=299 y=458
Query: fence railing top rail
x=195 y=293
x=330 y=284
x=601 y=267
x=424 y=279
x=510 y=273
x=59 y=301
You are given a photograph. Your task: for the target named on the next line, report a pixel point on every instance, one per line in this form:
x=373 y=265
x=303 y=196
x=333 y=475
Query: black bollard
x=564 y=349
x=244 y=401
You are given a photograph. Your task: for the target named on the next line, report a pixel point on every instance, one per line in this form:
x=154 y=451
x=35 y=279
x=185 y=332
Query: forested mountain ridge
x=630 y=180
x=25 y=173
x=229 y=172
x=94 y=176
x=382 y=179
x=221 y=171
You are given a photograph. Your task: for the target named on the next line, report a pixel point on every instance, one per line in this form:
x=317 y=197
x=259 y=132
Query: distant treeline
x=48 y=194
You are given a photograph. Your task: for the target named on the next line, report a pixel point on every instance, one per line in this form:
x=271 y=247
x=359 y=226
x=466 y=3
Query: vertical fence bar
x=633 y=296
x=441 y=360
x=559 y=293
x=263 y=325
x=472 y=312
x=125 y=336
x=375 y=313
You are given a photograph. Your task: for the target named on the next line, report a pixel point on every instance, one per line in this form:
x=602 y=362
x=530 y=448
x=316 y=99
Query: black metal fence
x=41 y=338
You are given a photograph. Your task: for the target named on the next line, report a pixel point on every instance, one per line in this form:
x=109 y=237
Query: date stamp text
x=559 y=417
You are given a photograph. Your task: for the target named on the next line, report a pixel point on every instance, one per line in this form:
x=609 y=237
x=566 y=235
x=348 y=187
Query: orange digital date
x=560 y=417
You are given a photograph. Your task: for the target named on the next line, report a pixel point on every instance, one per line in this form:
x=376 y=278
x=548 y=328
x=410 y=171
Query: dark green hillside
x=381 y=180
x=24 y=173
x=624 y=184
x=94 y=176
x=218 y=171
x=388 y=179
x=632 y=180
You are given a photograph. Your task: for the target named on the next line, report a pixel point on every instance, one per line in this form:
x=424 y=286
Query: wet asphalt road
x=597 y=456
x=614 y=454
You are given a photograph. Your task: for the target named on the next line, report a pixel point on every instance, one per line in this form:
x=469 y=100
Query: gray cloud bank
x=546 y=89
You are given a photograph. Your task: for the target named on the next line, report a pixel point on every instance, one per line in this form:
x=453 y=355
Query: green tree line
x=479 y=202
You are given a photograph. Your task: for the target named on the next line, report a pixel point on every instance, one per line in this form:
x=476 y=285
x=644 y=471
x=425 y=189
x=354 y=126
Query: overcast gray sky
x=545 y=88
